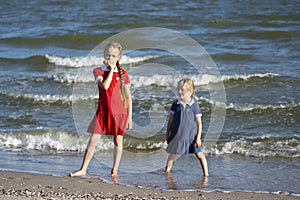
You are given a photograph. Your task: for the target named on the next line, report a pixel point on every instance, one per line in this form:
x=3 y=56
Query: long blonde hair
x=120 y=69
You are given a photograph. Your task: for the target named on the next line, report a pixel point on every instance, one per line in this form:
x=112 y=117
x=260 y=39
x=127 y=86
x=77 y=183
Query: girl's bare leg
x=203 y=163
x=89 y=152
x=170 y=162
x=118 y=141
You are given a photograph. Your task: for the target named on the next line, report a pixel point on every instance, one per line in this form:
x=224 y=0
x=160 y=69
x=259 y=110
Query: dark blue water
x=47 y=95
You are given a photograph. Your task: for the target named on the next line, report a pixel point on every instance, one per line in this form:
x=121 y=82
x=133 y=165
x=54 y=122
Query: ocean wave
x=253 y=107
x=37 y=63
x=138 y=81
x=171 y=80
x=199 y=80
x=248 y=77
x=32 y=62
x=48 y=98
x=260 y=147
x=77 y=62
x=59 y=140
x=70 y=40
x=42 y=139
x=72 y=62
x=234 y=57
x=45 y=140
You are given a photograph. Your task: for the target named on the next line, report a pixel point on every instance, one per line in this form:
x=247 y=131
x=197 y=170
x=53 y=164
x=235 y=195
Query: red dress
x=111 y=115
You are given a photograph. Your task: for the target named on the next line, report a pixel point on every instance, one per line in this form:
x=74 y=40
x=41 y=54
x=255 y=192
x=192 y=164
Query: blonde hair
x=123 y=89
x=188 y=84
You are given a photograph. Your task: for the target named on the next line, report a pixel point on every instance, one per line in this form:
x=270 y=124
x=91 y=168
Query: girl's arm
x=105 y=83
x=171 y=117
x=199 y=131
x=129 y=101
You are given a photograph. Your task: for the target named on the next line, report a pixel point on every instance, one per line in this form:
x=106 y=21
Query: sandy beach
x=19 y=185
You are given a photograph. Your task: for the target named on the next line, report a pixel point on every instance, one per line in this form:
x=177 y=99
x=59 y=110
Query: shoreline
x=23 y=185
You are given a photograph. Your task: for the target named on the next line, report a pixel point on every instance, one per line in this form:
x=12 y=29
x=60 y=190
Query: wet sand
x=19 y=185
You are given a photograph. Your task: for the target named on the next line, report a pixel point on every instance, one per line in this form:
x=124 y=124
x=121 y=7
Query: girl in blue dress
x=185 y=126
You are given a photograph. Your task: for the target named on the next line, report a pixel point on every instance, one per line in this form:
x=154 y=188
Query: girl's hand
x=198 y=142
x=108 y=64
x=129 y=124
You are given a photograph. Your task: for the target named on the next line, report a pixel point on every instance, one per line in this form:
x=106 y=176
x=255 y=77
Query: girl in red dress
x=114 y=113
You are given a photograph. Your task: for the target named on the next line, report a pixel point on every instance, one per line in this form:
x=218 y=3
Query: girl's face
x=112 y=56
x=184 y=93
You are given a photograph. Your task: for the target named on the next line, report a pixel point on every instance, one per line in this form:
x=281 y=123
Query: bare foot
x=115 y=179
x=114 y=172
x=78 y=173
x=205 y=179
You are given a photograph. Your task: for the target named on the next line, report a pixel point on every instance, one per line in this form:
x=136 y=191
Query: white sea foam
x=69 y=78
x=41 y=139
x=158 y=79
x=151 y=145
x=49 y=98
x=251 y=107
x=138 y=80
x=77 y=62
x=50 y=140
x=247 y=77
x=289 y=147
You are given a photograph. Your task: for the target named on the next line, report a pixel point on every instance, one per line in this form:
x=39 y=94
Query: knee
x=118 y=141
x=201 y=156
x=94 y=140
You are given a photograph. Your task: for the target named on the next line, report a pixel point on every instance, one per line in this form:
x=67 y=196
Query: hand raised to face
x=108 y=64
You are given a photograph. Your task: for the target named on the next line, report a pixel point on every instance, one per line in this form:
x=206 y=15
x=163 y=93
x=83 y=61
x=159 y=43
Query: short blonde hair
x=188 y=84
